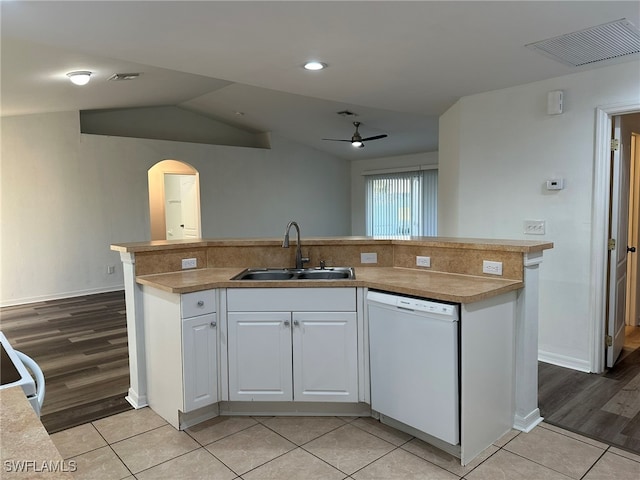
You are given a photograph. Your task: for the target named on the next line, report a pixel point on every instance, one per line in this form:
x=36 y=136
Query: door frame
x=600 y=229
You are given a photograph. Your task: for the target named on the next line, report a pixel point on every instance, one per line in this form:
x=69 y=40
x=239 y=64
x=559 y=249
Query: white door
x=325 y=362
x=259 y=346
x=182 y=206
x=190 y=206
x=618 y=255
x=173 y=207
x=199 y=361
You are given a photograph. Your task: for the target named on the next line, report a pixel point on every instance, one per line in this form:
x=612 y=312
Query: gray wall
x=497 y=149
x=67 y=196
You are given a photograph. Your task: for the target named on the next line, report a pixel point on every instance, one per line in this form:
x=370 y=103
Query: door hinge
x=615 y=144
x=612 y=244
x=608 y=340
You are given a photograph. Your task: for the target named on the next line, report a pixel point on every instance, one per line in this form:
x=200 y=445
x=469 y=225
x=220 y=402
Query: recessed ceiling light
x=314 y=66
x=79 y=77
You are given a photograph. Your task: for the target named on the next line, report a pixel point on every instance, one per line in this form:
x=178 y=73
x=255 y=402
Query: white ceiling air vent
x=116 y=77
x=591 y=45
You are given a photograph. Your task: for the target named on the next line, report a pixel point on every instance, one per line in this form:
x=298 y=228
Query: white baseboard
x=564 y=361
x=59 y=296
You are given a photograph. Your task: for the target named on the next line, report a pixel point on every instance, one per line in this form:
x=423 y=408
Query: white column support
x=137 y=395
x=527 y=413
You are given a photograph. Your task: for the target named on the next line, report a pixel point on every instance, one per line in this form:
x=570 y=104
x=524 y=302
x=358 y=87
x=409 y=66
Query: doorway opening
x=612 y=186
x=174 y=201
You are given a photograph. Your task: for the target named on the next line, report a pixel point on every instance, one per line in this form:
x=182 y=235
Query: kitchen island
x=504 y=307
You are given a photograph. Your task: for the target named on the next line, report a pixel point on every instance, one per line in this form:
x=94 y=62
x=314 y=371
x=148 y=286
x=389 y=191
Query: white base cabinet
x=199 y=360
x=181 y=351
x=325 y=357
x=259 y=345
x=279 y=354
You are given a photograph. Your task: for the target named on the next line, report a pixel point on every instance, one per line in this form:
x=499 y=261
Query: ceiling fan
x=357 y=140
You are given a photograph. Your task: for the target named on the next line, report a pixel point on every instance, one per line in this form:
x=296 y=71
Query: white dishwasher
x=414 y=363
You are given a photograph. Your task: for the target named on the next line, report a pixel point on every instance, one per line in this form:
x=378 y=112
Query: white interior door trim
x=600 y=228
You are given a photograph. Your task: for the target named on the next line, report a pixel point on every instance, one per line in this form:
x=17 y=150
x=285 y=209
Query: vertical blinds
x=402 y=204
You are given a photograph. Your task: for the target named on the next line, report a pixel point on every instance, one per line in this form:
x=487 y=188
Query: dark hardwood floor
x=81 y=346
x=605 y=407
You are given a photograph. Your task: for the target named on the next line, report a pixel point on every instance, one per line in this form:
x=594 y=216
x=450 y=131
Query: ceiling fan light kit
x=356 y=139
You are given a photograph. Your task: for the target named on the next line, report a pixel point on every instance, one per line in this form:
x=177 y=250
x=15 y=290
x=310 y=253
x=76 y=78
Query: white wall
x=358 y=192
x=496 y=151
x=67 y=196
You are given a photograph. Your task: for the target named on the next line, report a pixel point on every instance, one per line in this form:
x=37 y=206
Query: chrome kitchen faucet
x=300 y=260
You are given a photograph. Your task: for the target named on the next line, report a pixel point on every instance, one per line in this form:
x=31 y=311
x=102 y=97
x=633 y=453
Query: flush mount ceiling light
x=315 y=66
x=80 y=77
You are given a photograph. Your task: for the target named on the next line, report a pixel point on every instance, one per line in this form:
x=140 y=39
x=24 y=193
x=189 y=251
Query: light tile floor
x=138 y=444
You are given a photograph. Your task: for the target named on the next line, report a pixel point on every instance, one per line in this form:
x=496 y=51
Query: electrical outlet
x=423 y=261
x=534 y=227
x=493 y=268
x=189 y=263
x=110 y=269
x=369 y=257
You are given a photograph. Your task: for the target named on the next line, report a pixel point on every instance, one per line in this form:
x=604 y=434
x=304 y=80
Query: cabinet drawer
x=198 y=303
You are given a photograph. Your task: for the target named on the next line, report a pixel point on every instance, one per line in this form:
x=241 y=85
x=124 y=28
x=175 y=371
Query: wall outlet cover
x=189 y=263
x=423 y=261
x=493 y=268
x=371 y=257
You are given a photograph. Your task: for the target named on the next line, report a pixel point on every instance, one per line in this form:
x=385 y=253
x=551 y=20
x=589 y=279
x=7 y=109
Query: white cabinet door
x=259 y=348
x=199 y=361
x=325 y=357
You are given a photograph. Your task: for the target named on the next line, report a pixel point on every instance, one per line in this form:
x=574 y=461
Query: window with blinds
x=402 y=203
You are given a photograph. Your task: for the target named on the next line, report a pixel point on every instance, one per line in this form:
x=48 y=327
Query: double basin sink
x=328 y=273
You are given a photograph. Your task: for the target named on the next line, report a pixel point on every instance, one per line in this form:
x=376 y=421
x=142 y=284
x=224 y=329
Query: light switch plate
x=534 y=227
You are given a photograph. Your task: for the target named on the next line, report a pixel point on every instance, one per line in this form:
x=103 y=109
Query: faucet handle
x=305 y=260
x=323 y=264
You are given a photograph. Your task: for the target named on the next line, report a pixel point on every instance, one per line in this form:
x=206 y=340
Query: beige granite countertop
x=26 y=449
x=525 y=246
x=437 y=285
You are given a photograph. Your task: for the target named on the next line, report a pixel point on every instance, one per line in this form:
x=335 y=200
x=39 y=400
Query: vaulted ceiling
x=397 y=65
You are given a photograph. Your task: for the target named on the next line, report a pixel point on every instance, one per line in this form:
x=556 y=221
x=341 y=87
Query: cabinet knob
x=286 y=323
x=214 y=324
x=296 y=323
x=200 y=303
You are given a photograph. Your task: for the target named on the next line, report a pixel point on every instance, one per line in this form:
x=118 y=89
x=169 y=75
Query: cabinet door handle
x=214 y=324
x=296 y=323
x=200 y=303
x=286 y=323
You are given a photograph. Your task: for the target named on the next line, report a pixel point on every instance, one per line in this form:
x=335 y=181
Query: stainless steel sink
x=328 y=273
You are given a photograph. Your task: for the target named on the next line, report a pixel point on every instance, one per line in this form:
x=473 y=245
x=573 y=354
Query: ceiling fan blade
x=337 y=140
x=376 y=137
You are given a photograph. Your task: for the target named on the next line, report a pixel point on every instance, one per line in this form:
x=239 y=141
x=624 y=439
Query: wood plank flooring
x=81 y=346
x=605 y=407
